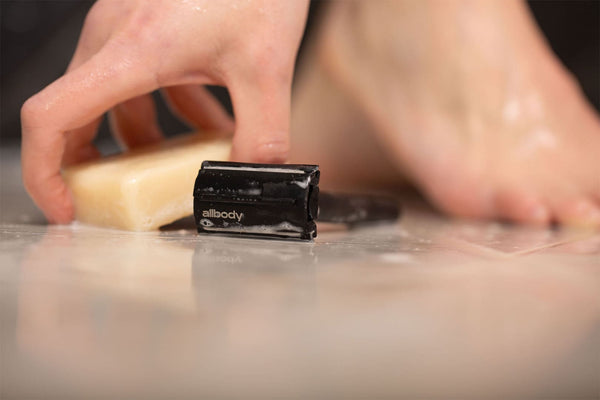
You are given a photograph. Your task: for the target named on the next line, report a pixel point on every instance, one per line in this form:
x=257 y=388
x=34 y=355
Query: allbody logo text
x=212 y=213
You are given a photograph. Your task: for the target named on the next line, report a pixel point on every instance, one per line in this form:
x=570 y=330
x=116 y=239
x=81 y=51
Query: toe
x=580 y=212
x=520 y=206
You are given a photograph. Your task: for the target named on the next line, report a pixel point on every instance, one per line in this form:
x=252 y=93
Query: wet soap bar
x=143 y=189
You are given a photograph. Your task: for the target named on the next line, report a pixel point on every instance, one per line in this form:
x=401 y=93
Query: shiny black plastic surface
x=264 y=200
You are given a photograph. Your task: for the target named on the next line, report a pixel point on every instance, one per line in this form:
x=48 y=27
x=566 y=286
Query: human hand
x=129 y=48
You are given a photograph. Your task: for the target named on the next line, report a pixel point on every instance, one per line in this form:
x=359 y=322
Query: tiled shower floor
x=428 y=307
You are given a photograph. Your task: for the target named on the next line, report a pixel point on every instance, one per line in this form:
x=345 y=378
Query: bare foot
x=331 y=130
x=465 y=98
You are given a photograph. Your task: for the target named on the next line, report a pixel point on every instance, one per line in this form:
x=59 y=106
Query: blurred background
x=39 y=36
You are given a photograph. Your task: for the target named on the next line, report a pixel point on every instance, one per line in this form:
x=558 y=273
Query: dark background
x=39 y=37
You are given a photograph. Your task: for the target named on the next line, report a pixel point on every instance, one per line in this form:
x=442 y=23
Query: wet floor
x=426 y=307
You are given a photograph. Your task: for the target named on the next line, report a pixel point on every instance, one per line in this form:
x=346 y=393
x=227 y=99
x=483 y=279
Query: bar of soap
x=142 y=189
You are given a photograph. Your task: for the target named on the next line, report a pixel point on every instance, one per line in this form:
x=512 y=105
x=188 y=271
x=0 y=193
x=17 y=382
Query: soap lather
x=277 y=201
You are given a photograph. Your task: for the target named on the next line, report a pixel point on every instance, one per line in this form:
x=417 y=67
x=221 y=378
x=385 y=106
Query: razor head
x=264 y=200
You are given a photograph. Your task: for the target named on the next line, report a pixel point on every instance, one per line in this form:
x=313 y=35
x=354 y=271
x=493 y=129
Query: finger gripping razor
x=276 y=201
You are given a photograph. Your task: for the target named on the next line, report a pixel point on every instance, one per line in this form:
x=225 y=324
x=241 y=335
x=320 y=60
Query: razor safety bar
x=276 y=200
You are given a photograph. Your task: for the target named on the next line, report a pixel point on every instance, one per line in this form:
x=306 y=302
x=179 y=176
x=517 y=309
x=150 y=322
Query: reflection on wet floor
x=427 y=307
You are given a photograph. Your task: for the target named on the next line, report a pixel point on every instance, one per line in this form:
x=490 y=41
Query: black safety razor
x=277 y=201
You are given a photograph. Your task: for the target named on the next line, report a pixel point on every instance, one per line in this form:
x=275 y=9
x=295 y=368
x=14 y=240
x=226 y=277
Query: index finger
x=73 y=100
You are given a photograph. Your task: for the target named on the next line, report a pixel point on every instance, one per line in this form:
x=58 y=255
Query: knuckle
x=31 y=111
x=143 y=29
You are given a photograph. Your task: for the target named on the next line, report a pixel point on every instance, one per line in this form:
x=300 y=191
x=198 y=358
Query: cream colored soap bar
x=143 y=189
